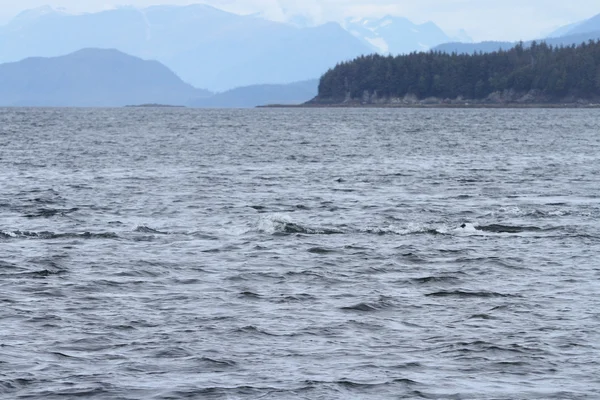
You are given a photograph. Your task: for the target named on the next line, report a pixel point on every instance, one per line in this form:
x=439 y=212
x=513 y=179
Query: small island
x=153 y=105
x=537 y=75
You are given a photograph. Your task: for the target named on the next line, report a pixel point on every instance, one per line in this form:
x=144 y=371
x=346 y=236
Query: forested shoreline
x=539 y=73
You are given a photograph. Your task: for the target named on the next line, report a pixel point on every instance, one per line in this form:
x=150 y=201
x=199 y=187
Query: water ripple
x=299 y=254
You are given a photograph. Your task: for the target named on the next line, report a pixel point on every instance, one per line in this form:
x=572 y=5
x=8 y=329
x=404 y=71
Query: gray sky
x=482 y=19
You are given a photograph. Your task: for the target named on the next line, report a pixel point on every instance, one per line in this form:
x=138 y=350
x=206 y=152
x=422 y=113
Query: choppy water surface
x=299 y=254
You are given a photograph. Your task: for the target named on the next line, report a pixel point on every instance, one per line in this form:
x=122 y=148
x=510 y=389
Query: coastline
x=505 y=99
x=459 y=106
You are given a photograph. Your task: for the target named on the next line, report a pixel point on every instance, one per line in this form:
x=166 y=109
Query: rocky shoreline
x=505 y=99
x=466 y=105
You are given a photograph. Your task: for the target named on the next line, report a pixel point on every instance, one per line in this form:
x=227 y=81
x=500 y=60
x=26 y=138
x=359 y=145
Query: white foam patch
x=273 y=223
x=410 y=229
x=511 y=211
x=466 y=228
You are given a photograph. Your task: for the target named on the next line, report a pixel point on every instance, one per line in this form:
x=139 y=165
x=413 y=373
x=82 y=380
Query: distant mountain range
x=568 y=35
x=92 y=78
x=211 y=48
x=206 y=47
x=110 y=78
x=397 y=35
x=259 y=95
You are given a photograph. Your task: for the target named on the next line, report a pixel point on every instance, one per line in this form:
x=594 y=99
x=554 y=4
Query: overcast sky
x=482 y=19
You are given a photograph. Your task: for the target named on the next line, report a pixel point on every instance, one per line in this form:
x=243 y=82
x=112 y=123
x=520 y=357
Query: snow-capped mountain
x=398 y=35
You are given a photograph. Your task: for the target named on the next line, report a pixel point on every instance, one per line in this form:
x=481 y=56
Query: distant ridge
x=92 y=78
x=587 y=26
x=260 y=95
x=110 y=78
x=491 y=46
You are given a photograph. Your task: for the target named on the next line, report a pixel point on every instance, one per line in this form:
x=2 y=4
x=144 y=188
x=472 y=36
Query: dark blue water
x=299 y=254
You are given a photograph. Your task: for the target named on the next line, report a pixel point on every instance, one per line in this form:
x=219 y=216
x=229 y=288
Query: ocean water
x=299 y=254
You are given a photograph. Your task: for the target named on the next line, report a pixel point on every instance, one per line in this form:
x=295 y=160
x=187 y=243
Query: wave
x=498 y=228
x=411 y=229
x=434 y=279
x=321 y=250
x=464 y=349
x=378 y=305
x=250 y=295
x=557 y=210
x=45 y=273
x=145 y=229
x=302 y=297
x=50 y=212
x=283 y=225
x=467 y=294
x=52 y=235
x=278 y=224
x=366 y=307
x=251 y=329
x=211 y=362
x=16 y=384
x=470 y=228
x=44 y=196
x=355 y=384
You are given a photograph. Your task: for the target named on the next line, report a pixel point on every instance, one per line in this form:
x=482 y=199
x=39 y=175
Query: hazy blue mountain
x=578 y=28
x=567 y=35
x=206 y=47
x=463 y=37
x=571 y=39
x=258 y=95
x=398 y=35
x=34 y=15
x=94 y=78
x=390 y=34
x=267 y=53
x=471 y=48
x=488 y=47
x=49 y=33
x=563 y=30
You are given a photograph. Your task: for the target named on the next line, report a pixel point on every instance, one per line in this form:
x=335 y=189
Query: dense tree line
x=554 y=71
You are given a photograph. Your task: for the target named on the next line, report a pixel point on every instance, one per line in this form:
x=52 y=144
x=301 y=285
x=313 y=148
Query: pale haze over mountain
x=92 y=78
x=206 y=47
x=109 y=78
x=571 y=34
x=506 y=20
